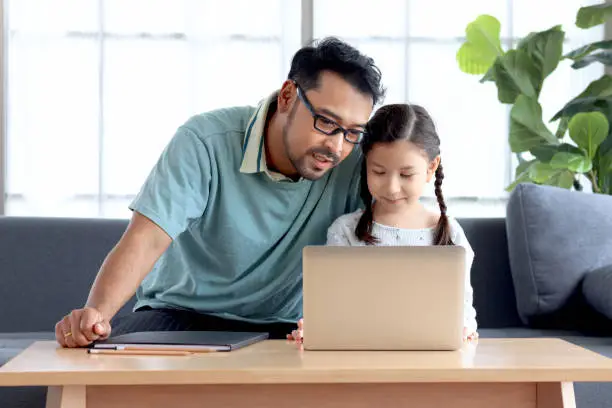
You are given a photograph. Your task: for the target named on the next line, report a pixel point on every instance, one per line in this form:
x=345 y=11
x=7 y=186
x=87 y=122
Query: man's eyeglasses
x=328 y=126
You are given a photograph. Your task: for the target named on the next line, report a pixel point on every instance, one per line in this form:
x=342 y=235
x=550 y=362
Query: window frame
x=306 y=37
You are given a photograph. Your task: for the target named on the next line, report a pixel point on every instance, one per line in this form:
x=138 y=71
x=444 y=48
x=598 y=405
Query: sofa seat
x=601 y=345
x=12 y=344
x=587 y=394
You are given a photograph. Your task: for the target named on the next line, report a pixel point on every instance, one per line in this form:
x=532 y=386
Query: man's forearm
x=127 y=265
x=117 y=281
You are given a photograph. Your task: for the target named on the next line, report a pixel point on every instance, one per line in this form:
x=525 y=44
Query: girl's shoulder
x=456 y=229
x=458 y=234
x=348 y=220
x=454 y=224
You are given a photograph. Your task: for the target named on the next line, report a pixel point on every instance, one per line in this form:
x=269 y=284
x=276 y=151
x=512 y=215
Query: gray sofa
x=48 y=264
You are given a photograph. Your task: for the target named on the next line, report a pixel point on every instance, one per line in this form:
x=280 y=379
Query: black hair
x=332 y=54
x=412 y=123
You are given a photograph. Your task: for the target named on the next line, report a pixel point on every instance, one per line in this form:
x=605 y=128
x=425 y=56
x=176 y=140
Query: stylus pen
x=141 y=352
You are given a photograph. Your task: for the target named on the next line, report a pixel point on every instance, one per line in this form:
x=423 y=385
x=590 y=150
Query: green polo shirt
x=238 y=228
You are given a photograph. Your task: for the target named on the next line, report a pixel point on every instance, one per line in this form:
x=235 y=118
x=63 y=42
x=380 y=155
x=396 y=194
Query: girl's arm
x=341 y=231
x=460 y=239
x=471 y=324
x=338 y=234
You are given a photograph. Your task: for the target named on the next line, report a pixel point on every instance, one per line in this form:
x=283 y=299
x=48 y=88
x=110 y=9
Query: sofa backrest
x=47 y=266
x=494 y=297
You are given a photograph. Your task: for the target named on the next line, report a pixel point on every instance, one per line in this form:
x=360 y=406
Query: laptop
x=383 y=298
x=180 y=341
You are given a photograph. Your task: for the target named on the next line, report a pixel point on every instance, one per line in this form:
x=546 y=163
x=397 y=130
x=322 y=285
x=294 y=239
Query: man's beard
x=300 y=164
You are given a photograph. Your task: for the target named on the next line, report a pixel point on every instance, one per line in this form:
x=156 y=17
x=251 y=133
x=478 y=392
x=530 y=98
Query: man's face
x=335 y=103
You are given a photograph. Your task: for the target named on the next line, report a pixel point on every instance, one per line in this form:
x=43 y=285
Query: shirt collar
x=253 y=149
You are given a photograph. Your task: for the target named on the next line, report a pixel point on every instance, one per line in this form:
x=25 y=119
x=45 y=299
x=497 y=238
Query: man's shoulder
x=218 y=122
x=353 y=162
x=349 y=169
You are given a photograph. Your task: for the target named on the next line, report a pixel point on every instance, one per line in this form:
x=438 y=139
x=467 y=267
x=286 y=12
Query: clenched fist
x=82 y=327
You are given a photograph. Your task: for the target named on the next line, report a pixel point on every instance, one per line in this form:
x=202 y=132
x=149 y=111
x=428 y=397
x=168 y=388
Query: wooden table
x=494 y=373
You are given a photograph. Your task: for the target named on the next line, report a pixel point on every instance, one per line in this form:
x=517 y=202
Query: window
x=96 y=88
x=415 y=43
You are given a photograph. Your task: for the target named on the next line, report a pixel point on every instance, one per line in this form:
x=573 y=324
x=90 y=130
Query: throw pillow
x=555 y=236
x=597 y=290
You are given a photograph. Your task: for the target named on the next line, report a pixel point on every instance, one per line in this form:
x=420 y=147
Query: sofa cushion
x=494 y=297
x=12 y=344
x=23 y=397
x=597 y=290
x=555 y=236
x=597 y=344
x=64 y=253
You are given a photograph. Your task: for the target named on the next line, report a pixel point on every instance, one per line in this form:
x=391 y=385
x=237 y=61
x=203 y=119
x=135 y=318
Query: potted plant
x=581 y=145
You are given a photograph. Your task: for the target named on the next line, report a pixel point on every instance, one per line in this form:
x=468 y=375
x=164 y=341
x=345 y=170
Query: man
x=218 y=228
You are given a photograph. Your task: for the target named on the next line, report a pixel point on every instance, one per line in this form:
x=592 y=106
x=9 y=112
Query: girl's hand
x=297 y=335
x=469 y=337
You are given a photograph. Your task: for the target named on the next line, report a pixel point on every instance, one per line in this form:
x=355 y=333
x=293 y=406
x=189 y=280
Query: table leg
x=556 y=395
x=420 y=395
x=70 y=396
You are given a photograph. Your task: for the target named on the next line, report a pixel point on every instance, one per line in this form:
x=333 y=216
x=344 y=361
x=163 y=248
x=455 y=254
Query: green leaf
x=562 y=128
x=522 y=178
x=577 y=163
x=566 y=180
x=589 y=130
x=563 y=179
x=595 y=97
x=482 y=45
x=545 y=49
x=579 y=53
x=523 y=167
x=600 y=87
x=526 y=127
x=521 y=173
x=515 y=73
x=592 y=16
x=605 y=184
x=591 y=99
x=605 y=57
x=603 y=164
x=545 y=153
x=605 y=173
x=604 y=150
x=589 y=104
x=488 y=77
x=541 y=172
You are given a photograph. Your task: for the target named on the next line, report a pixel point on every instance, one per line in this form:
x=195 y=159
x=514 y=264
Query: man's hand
x=82 y=327
x=122 y=271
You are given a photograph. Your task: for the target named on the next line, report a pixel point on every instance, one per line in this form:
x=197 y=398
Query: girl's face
x=397 y=173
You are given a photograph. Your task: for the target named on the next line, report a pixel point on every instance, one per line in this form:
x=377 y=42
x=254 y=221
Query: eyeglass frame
x=302 y=95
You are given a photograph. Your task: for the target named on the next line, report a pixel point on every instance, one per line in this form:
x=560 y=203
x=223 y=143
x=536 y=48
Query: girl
x=402 y=155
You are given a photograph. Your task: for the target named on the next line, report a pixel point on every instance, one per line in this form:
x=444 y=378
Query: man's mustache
x=335 y=159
